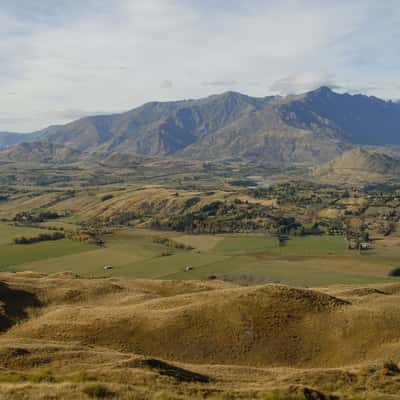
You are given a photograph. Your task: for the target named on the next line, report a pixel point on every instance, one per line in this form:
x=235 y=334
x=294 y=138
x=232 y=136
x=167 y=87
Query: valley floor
x=239 y=258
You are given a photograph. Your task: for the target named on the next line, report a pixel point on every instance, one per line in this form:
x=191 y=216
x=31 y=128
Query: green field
x=245 y=259
x=9 y=232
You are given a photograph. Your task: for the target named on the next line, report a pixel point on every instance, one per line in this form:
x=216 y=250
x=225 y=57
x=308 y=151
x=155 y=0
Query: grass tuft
x=98 y=391
x=391 y=367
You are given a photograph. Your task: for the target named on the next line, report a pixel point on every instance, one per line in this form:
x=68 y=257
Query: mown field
x=244 y=259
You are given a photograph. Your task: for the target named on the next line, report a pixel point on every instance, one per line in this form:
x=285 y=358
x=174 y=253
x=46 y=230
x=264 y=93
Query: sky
x=64 y=59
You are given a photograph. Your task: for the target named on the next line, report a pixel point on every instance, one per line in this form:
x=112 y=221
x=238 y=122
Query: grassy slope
x=248 y=341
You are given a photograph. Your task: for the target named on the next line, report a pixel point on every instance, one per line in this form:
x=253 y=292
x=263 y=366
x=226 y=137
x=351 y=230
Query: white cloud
x=221 y=83
x=302 y=83
x=101 y=55
x=167 y=84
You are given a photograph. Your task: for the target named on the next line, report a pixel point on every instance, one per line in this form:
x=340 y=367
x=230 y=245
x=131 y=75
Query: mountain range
x=314 y=127
x=11 y=138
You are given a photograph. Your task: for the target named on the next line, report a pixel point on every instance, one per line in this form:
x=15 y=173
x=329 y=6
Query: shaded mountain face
x=155 y=128
x=311 y=128
x=364 y=120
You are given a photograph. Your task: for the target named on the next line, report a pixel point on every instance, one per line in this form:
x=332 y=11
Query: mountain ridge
x=12 y=138
x=313 y=127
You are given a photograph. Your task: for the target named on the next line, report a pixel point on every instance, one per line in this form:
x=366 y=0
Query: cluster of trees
x=171 y=243
x=298 y=213
x=237 y=216
x=42 y=237
x=122 y=218
x=300 y=194
x=243 y=183
x=218 y=217
x=332 y=226
x=32 y=217
x=192 y=201
x=356 y=236
x=286 y=226
x=47 y=180
x=90 y=233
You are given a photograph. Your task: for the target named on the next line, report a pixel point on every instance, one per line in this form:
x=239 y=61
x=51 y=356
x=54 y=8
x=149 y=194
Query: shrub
x=391 y=367
x=171 y=243
x=191 y=202
x=212 y=208
x=106 y=197
x=395 y=272
x=98 y=391
x=41 y=377
x=13 y=378
x=85 y=377
x=44 y=377
x=42 y=237
x=34 y=217
x=122 y=218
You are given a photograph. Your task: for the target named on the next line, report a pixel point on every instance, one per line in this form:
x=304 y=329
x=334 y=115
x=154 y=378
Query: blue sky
x=62 y=59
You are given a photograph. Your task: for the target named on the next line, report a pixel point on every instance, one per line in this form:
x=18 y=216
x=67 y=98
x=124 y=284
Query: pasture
x=244 y=259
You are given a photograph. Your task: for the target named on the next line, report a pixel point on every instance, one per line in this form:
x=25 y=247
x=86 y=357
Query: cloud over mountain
x=100 y=55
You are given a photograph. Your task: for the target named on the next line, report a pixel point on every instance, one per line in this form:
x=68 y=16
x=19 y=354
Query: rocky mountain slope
x=311 y=128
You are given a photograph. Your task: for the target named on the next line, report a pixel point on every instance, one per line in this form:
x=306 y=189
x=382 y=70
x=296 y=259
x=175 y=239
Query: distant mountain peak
x=233 y=93
x=230 y=94
x=322 y=90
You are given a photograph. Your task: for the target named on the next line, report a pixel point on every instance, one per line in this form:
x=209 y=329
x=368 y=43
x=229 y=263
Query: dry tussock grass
x=71 y=338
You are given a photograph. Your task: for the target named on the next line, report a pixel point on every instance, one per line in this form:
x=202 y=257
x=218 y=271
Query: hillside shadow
x=14 y=305
x=163 y=368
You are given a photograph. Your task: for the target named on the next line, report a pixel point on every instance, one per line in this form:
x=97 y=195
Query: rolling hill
x=359 y=164
x=68 y=337
x=267 y=325
x=40 y=152
x=314 y=127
